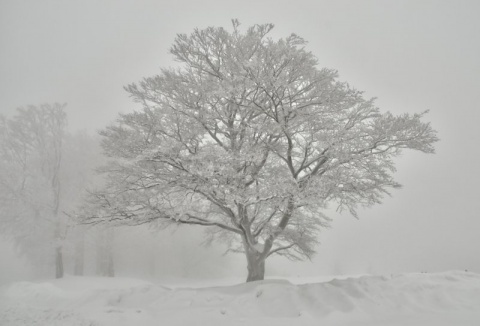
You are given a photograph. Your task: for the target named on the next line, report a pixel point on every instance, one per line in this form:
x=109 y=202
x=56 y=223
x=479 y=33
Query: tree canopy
x=252 y=139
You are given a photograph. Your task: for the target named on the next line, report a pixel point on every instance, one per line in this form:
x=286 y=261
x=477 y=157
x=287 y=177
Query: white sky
x=412 y=55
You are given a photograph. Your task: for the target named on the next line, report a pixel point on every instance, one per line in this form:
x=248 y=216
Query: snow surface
x=449 y=298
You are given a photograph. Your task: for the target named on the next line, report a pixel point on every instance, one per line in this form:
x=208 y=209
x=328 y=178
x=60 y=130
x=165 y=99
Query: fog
x=412 y=56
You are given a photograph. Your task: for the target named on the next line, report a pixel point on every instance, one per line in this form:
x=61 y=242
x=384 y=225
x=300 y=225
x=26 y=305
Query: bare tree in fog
x=31 y=146
x=81 y=156
x=252 y=140
x=104 y=251
x=44 y=171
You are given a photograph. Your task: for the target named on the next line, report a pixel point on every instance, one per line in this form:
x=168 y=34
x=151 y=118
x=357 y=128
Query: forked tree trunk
x=257 y=253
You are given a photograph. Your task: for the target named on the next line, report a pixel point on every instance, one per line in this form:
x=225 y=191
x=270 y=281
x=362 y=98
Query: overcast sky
x=412 y=55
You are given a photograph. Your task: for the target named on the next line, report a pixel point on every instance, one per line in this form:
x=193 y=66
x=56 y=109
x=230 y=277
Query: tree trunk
x=58 y=262
x=58 y=251
x=110 y=270
x=255 y=266
x=100 y=253
x=104 y=252
x=79 y=253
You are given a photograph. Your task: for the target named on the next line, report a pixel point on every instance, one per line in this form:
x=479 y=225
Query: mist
x=413 y=56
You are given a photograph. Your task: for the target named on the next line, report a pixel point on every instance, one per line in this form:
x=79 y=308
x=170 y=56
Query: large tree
x=251 y=139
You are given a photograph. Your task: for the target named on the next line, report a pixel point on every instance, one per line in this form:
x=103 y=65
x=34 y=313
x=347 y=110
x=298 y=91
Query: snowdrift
x=450 y=298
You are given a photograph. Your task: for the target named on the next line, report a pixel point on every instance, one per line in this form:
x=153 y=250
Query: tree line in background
x=249 y=139
x=44 y=171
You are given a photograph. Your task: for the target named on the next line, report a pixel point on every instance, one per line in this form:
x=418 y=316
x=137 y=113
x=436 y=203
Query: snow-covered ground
x=449 y=298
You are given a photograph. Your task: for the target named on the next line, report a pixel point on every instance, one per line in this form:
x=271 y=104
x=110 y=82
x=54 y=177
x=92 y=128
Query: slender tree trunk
x=110 y=270
x=58 y=251
x=105 y=262
x=58 y=262
x=100 y=253
x=79 y=252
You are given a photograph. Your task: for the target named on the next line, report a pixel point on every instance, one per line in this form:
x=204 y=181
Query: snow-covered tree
x=44 y=171
x=31 y=156
x=252 y=139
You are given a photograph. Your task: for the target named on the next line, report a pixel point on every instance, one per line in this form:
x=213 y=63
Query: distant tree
x=104 y=252
x=30 y=193
x=251 y=139
x=81 y=156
